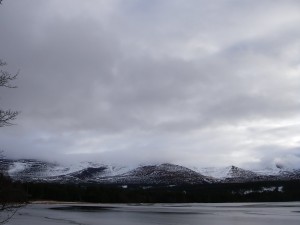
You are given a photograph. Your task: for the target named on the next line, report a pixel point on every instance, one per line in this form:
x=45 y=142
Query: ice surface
x=163 y=214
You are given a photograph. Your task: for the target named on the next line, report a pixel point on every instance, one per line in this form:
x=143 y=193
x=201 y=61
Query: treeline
x=230 y=192
x=11 y=193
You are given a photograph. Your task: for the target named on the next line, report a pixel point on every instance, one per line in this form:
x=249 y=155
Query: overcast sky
x=193 y=82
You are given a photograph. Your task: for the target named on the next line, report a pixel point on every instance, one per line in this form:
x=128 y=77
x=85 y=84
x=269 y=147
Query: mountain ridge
x=31 y=170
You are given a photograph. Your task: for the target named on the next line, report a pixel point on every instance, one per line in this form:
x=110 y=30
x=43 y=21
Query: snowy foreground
x=163 y=214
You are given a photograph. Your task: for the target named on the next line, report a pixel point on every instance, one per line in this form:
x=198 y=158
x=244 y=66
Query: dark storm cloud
x=192 y=82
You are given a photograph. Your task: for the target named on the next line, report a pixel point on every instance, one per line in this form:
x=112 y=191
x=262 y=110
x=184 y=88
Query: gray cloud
x=193 y=82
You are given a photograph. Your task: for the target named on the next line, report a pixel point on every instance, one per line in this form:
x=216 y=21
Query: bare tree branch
x=11 y=198
x=6 y=77
x=6 y=116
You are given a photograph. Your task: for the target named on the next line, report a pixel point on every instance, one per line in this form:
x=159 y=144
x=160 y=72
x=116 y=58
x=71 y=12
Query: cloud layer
x=192 y=82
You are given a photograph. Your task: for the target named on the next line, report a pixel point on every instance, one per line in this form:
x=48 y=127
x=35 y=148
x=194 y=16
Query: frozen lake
x=162 y=214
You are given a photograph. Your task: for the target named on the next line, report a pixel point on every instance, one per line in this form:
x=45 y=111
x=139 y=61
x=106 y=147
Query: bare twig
x=9 y=211
x=6 y=116
x=6 y=77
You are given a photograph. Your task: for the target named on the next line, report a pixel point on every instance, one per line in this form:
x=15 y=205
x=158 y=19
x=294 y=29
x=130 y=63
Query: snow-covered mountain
x=161 y=174
x=164 y=174
x=229 y=174
x=236 y=174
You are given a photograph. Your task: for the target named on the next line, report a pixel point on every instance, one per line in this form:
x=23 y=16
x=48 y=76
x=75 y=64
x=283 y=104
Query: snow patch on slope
x=269 y=171
x=215 y=172
x=16 y=168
